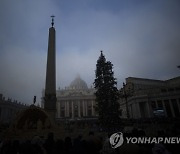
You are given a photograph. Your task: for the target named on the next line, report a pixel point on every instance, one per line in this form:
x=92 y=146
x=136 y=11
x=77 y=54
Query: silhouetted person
x=49 y=144
x=59 y=147
x=68 y=145
x=93 y=144
x=15 y=147
x=160 y=149
x=37 y=145
x=77 y=146
x=6 y=147
x=26 y=147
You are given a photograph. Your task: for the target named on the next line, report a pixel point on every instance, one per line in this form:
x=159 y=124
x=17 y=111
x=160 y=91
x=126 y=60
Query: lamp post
x=125 y=94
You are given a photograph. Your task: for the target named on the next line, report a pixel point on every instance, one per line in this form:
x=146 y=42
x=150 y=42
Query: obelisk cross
x=52 y=23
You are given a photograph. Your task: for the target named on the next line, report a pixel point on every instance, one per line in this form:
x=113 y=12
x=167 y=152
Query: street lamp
x=125 y=94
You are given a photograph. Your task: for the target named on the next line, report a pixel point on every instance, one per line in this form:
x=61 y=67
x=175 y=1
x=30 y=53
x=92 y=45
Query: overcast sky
x=140 y=37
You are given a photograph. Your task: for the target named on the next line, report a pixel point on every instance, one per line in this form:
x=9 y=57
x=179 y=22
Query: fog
x=140 y=38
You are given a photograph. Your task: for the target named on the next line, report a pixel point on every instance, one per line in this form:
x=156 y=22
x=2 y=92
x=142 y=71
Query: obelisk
x=50 y=87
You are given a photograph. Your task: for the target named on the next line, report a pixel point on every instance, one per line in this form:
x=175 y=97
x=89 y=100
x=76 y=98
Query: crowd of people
x=92 y=144
x=37 y=145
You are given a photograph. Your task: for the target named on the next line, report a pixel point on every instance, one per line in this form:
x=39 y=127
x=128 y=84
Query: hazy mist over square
x=140 y=37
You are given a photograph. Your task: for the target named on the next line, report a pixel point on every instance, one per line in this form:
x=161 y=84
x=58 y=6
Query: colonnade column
x=148 y=108
x=83 y=108
x=164 y=108
x=67 y=108
x=86 y=104
x=58 y=109
x=138 y=110
x=92 y=108
x=171 y=106
x=178 y=103
x=72 y=107
x=79 y=113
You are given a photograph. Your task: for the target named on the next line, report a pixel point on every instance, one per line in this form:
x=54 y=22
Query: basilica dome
x=78 y=83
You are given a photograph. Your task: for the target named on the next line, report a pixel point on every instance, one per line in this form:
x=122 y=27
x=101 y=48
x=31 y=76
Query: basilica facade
x=144 y=98
x=76 y=101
